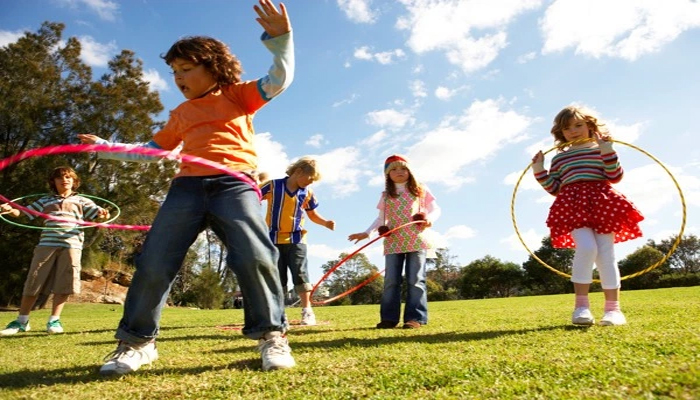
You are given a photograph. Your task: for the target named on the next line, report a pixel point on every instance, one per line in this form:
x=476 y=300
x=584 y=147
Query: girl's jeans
x=232 y=209
x=416 y=296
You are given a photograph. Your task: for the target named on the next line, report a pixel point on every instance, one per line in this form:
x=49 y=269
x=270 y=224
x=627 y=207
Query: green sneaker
x=54 y=327
x=14 y=327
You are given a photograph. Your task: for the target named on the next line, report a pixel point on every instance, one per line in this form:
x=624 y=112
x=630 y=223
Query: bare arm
x=318 y=219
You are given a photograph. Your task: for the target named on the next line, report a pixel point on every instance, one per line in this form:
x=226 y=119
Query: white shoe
x=308 y=317
x=613 y=318
x=54 y=327
x=582 y=316
x=276 y=353
x=128 y=358
x=14 y=327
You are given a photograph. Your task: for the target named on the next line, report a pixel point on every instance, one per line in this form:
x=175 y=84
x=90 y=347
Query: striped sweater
x=73 y=207
x=580 y=165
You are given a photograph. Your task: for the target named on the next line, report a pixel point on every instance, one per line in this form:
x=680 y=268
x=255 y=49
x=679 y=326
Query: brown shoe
x=387 y=325
x=411 y=325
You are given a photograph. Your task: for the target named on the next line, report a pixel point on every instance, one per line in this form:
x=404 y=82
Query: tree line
x=490 y=277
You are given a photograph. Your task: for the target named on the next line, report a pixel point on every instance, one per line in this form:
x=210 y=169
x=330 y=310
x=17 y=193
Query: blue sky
x=467 y=89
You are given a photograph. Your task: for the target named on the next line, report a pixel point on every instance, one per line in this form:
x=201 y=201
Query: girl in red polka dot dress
x=588 y=214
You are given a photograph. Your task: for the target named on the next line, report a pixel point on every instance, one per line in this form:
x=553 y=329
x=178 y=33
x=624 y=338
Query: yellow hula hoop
x=665 y=257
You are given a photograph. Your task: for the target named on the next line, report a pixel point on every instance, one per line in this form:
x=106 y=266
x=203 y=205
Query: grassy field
x=515 y=348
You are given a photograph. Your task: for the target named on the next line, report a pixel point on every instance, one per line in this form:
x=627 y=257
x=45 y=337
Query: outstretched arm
x=317 y=218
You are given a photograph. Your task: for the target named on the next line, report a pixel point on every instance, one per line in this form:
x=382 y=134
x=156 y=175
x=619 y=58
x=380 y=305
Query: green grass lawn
x=515 y=348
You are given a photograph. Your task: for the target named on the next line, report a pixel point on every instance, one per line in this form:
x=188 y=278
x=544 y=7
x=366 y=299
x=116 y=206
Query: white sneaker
x=276 y=353
x=582 y=316
x=14 y=327
x=308 y=317
x=54 y=327
x=128 y=358
x=613 y=318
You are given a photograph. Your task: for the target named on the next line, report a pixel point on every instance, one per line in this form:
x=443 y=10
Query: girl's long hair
x=565 y=117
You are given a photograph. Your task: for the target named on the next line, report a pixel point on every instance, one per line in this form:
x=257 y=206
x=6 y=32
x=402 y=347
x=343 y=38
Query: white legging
x=595 y=247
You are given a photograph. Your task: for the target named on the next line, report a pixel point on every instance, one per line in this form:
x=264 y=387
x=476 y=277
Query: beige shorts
x=53 y=270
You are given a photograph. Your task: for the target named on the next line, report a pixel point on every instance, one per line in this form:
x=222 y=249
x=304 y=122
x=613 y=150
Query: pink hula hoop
x=349 y=256
x=115 y=148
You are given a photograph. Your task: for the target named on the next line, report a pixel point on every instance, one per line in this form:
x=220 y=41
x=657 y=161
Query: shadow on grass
x=87 y=374
x=48 y=377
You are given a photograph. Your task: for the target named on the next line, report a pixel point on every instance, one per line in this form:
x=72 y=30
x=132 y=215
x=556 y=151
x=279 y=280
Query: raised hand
x=538 y=162
x=274 y=22
x=604 y=143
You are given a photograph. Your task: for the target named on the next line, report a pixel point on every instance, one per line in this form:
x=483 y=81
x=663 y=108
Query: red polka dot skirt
x=594 y=205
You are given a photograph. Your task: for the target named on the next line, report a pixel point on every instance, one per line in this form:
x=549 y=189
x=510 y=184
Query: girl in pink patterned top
x=588 y=213
x=403 y=201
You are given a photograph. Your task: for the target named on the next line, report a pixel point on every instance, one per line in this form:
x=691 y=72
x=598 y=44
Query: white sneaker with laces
x=129 y=357
x=276 y=353
x=582 y=316
x=612 y=318
x=308 y=317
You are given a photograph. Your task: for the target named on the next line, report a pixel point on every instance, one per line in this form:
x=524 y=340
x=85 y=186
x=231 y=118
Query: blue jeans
x=232 y=209
x=416 y=308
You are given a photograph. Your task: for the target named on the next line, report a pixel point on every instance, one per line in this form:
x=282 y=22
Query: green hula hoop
x=645 y=270
x=116 y=207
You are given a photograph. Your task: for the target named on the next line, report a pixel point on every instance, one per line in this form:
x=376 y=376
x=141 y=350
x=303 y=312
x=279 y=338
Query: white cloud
x=271 y=156
x=418 y=88
x=359 y=11
x=626 y=29
x=460 y=232
x=349 y=100
x=339 y=169
x=476 y=135
x=373 y=140
x=105 y=9
x=7 y=37
x=532 y=239
x=444 y=93
x=384 y=57
x=389 y=118
x=469 y=33
x=525 y=58
x=316 y=141
x=155 y=81
x=94 y=53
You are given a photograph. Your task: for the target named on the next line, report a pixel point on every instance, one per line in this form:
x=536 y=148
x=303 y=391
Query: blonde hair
x=307 y=165
x=572 y=112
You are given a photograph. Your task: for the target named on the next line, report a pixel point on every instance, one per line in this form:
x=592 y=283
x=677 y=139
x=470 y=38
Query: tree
x=445 y=274
x=490 y=277
x=686 y=258
x=639 y=260
x=539 y=279
x=353 y=272
x=48 y=97
x=207 y=289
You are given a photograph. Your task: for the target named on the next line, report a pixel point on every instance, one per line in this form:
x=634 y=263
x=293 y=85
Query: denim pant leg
x=299 y=268
x=236 y=218
x=390 y=308
x=417 y=291
x=175 y=228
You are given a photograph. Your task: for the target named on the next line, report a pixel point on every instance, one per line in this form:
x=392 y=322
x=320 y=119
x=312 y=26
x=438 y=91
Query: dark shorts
x=293 y=257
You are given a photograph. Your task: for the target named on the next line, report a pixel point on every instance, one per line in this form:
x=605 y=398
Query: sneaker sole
x=586 y=323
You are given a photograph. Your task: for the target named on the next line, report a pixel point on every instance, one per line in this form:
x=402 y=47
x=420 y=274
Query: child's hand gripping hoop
x=351 y=255
x=665 y=257
x=78 y=224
